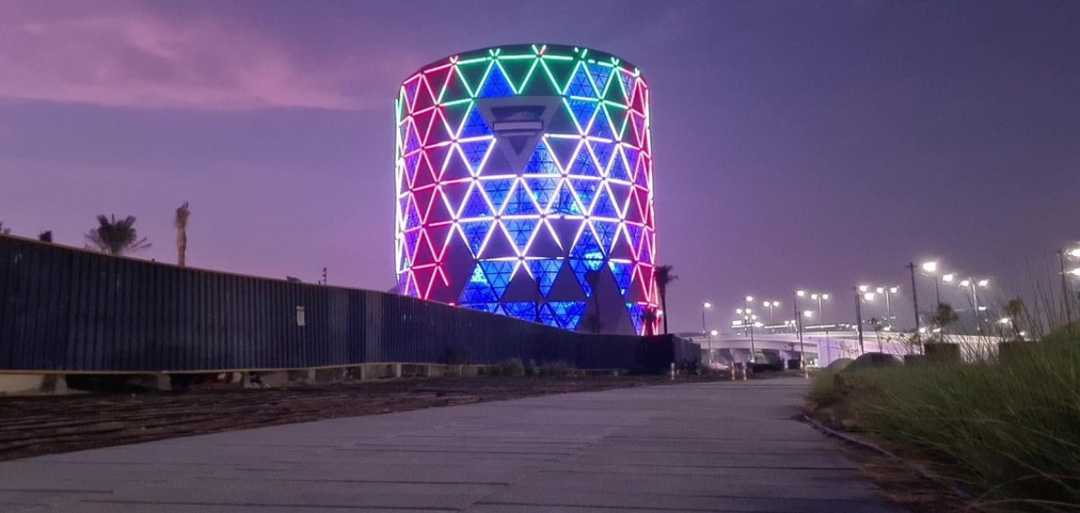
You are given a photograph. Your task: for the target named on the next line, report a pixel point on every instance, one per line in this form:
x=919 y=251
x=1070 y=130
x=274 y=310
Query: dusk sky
x=797 y=143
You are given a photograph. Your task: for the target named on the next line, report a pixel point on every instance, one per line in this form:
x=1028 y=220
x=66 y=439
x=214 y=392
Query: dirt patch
x=33 y=426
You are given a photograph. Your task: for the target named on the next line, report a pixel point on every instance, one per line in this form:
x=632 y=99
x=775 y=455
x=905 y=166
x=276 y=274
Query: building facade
x=524 y=187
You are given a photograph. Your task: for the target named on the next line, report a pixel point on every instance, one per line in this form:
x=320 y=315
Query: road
x=711 y=447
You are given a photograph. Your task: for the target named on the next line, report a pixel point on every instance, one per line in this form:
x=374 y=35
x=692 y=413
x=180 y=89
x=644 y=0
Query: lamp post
x=914 y=296
x=1062 y=253
x=861 y=292
x=931 y=269
x=888 y=292
x=705 y=306
x=770 y=305
x=749 y=319
x=820 y=297
x=971 y=285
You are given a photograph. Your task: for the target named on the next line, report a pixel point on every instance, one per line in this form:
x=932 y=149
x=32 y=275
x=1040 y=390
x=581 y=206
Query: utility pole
x=914 y=296
x=858 y=319
x=1065 y=291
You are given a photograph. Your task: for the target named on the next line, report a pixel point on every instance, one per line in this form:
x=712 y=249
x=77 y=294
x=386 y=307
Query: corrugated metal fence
x=68 y=309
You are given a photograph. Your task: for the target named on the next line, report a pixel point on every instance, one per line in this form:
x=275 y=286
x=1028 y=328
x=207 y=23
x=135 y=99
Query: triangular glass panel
x=588 y=250
x=622 y=271
x=455 y=113
x=563 y=149
x=606 y=231
x=477 y=290
x=473 y=72
x=411 y=88
x=558 y=70
x=541 y=162
x=497 y=190
x=475 y=233
x=520 y=231
x=626 y=80
x=437 y=78
x=601 y=126
x=583 y=164
x=518 y=69
x=499 y=273
x=496 y=85
x=476 y=205
x=474 y=126
x=600 y=74
x=455 y=89
x=568 y=313
x=586 y=190
x=548 y=317
x=524 y=310
x=579 y=84
x=543 y=189
x=565 y=202
x=604 y=207
x=475 y=152
x=618 y=170
x=455 y=168
x=637 y=315
x=520 y=202
x=544 y=271
x=583 y=111
x=603 y=152
x=498 y=245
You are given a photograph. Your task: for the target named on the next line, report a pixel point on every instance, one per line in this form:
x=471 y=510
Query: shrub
x=511 y=367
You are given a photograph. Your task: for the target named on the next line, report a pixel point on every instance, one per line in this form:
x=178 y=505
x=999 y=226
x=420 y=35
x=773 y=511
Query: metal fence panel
x=69 y=309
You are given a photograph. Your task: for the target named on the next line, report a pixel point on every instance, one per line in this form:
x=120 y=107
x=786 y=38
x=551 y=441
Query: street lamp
x=820 y=297
x=971 y=285
x=931 y=269
x=888 y=292
x=749 y=321
x=770 y=305
x=706 y=306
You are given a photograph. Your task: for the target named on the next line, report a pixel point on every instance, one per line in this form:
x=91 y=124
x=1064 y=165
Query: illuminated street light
x=809 y=314
x=770 y=304
x=1004 y=320
x=864 y=288
x=713 y=333
x=705 y=306
x=1075 y=253
x=868 y=297
x=929 y=267
x=965 y=283
x=984 y=283
x=800 y=293
x=948 y=278
x=749 y=299
x=1075 y=272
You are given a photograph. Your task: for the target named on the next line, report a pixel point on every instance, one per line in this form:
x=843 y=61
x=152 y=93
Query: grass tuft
x=1007 y=427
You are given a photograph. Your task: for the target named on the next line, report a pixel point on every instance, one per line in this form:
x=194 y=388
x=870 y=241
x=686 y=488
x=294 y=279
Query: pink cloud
x=135 y=58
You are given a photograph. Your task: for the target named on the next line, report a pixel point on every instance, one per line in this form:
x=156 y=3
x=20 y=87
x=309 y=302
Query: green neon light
x=528 y=76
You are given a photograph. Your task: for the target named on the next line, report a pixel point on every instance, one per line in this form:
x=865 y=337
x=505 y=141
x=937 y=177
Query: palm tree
x=1014 y=309
x=664 y=277
x=182 y=215
x=944 y=316
x=649 y=320
x=116 y=237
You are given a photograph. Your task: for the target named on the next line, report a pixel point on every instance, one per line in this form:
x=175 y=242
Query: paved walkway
x=718 y=447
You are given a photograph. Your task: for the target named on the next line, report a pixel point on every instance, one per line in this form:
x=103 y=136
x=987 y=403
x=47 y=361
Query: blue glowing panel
x=496 y=85
x=545 y=270
x=524 y=310
x=548 y=317
x=475 y=126
x=623 y=272
x=499 y=273
x=568 y=313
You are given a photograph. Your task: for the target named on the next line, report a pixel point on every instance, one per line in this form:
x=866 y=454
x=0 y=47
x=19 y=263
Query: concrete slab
x=722 y=447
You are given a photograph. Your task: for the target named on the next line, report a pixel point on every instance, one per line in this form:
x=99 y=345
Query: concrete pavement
x=716 y=447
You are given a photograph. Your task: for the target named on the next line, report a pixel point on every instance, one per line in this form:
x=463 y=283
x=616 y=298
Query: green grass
x=1009 y=431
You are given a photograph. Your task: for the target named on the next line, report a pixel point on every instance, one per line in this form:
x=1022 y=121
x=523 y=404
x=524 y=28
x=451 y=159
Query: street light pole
x=1065 y=291
x=914 y=296
x=706 y=306
x=858 y=319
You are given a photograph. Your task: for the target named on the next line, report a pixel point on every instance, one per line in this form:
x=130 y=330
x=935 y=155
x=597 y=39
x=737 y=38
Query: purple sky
x=816 y=144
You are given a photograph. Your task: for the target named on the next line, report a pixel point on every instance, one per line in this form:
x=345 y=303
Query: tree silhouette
x=1014 y=309
x=181 y=222
x=116 y=237
x=649 y=320
x=944 y=316
x=4 y=231
x=664 y=277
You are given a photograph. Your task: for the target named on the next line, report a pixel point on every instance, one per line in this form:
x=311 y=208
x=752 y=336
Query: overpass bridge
x=816 y=348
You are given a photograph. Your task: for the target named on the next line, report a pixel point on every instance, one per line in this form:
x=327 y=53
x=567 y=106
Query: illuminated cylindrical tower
x=524 y=187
